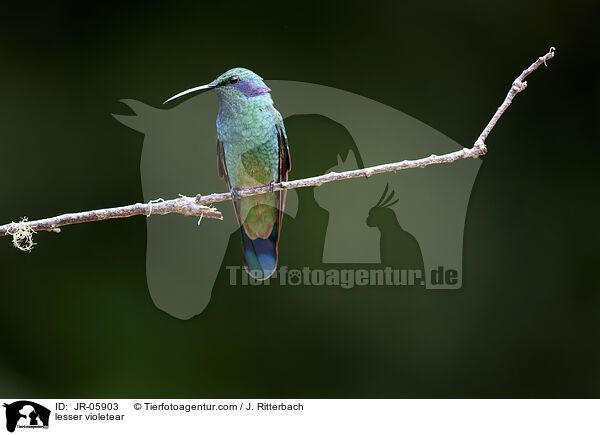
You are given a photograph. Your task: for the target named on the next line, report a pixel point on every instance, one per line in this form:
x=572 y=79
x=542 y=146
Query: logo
x=412 y=220
x=24 y=414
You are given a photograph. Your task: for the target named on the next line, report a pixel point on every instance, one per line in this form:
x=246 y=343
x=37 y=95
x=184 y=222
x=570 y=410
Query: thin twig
x=518 y=85
x=197 y=206
x=336 y=176
x=184 y=205
x=478 y=149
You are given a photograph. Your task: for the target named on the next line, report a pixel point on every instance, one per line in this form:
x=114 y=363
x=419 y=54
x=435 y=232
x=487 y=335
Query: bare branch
x=184 y=205
x=356 y=173
x=478 y=149
x=518 y=85
x=22 y=231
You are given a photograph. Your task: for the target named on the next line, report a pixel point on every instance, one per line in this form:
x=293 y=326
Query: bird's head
x=382 y=211
x=237 y=83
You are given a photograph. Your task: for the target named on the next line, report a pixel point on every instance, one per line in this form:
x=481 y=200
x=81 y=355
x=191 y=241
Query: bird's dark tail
x=260 y=255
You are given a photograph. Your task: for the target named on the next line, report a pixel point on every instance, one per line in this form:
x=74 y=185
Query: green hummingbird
x=252 y=151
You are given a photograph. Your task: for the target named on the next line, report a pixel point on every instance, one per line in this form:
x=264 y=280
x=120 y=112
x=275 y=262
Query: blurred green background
x=75 y=314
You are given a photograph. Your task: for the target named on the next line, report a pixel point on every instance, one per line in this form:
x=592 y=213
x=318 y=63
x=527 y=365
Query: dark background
x=76 y=319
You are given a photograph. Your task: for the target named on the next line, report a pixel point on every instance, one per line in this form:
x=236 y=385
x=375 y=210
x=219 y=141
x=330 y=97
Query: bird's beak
x=189 y=91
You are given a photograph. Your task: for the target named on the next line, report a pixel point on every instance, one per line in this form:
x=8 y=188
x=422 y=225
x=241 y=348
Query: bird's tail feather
x=260 y=255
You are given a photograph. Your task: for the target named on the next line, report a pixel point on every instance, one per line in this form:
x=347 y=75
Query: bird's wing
x=221 y=168
x=222 y=171
x=285 y=165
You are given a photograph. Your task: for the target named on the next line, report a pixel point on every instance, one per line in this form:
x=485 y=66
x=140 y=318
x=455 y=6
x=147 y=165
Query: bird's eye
x=233 y=80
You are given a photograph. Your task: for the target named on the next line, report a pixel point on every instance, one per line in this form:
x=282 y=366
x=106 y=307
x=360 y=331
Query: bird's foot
x=271 y=187
x=234 y=194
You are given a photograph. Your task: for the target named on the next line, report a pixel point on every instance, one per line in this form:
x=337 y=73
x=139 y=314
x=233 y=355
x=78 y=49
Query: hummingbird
x=252 y=151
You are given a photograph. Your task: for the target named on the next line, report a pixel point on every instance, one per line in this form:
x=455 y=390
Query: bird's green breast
x=247 y=129
x=248 y=132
